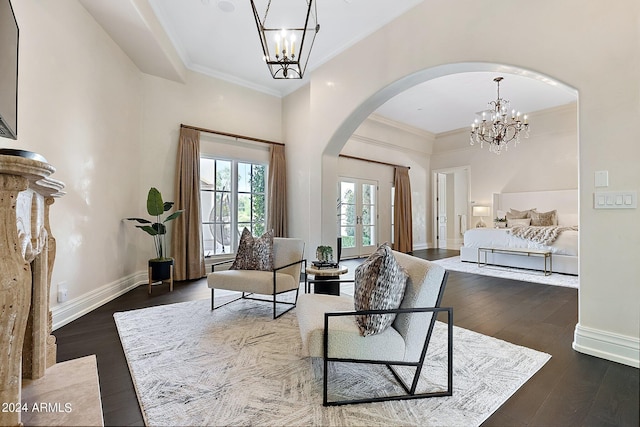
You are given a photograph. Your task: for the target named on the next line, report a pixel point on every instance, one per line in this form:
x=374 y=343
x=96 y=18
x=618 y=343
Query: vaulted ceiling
x=164 y=37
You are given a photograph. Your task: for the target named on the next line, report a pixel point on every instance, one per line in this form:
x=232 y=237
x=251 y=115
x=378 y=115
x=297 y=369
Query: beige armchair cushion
x=256 y=281
x=285 y=251
x=405 y=338
x=345 y=339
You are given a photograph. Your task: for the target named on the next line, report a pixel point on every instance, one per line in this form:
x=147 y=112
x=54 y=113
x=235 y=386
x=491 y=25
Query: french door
x=441 y=200
x=358 y=216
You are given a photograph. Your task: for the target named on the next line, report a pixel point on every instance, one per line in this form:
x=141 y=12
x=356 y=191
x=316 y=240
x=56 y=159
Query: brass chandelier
x=497 y=127
x=286 y=47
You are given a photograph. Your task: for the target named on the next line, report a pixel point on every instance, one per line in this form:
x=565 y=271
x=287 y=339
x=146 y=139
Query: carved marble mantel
x=27 y=252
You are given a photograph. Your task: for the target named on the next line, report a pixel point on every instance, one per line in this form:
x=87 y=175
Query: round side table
x=321 y=275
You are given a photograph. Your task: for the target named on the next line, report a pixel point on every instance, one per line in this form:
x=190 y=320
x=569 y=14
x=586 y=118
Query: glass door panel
x=357 y=217
x=347 y=217
x=368 y=218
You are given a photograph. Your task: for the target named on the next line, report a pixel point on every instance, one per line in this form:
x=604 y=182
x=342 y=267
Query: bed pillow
x=380 y=283
x=254 y=253
x=518 y=222
x=515 y=214
x=544 y=219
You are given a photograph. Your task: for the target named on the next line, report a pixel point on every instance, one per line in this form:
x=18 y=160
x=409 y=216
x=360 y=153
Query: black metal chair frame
x=409 y=390
x=275 y=302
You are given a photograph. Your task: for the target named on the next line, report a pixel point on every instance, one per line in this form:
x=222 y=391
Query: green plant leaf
x=148 y=229
x=140 y=220
x=174 y=215
x=159 y=228
x=155 y=205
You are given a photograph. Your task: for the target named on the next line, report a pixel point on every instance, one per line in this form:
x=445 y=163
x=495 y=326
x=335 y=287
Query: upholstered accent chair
x=329 y=331
x=288 y=259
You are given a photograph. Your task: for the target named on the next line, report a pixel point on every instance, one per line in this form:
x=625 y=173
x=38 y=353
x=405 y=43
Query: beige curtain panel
x=403 y=226
x=277 y=215
x=186 y=244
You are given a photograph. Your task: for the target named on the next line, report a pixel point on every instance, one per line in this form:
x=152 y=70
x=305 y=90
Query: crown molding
x=553 y=110
x=402 y=126
x=387 y=145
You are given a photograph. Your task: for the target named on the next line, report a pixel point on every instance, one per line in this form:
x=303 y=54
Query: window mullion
x=234 y=204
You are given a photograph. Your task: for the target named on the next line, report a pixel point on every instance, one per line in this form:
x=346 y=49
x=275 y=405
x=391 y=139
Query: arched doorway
x=360 y=113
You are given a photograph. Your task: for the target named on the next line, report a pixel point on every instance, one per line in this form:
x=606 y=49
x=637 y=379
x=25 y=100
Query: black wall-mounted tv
x=8 y=71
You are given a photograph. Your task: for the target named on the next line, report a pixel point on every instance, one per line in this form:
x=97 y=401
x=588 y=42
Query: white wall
x=203 y=102
x=303 y=173
x=602 y=40
x=383 y=140
x=79 y=105
x=111 y=132
x=547 y=160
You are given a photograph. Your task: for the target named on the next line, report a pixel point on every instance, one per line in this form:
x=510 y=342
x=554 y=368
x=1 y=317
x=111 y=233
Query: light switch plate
x=615 y=200
x=601 y=178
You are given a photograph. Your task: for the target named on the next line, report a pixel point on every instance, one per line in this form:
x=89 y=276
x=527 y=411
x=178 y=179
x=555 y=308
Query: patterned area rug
x=555 y=279
x=237 y=366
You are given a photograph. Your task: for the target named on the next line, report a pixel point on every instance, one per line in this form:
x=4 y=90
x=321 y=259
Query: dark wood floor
x=572 y=389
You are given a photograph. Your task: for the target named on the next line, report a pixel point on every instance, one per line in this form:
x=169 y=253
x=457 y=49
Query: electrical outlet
x=63 y=293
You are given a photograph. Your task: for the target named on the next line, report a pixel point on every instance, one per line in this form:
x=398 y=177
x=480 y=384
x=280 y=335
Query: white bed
x=564 y=248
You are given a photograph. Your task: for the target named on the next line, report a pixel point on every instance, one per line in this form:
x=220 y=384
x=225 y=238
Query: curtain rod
x=232 y=135
x=346 y=156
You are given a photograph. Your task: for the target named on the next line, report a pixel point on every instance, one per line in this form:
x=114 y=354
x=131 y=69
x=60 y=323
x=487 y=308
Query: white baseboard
x=69 y=311
x=607 y=345
x=420 y=246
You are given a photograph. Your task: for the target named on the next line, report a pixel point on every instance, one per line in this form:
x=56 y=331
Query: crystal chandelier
x=498 y=128
x=291 y=45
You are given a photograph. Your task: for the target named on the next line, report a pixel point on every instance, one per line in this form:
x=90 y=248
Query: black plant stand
x=160 y=275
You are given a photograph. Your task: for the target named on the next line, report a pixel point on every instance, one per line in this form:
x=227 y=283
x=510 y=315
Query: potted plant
x=324 y=254
x=500 y=222
x=161 y=264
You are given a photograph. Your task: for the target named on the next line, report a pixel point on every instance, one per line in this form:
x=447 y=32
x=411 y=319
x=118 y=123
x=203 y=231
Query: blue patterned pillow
x=379 y=285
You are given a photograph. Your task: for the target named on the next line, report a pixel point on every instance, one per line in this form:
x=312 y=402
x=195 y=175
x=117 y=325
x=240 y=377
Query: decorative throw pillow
x=380 y=283
x=544 y=219
x=515 y=214
x=518 y=222
x=263 y=251
x=254 y=254
x=244 y=256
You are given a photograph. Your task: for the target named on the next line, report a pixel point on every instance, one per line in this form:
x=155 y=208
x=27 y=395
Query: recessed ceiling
x=452 y=102
x=225 y=45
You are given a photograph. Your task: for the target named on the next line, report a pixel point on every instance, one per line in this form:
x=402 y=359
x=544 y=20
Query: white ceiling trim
x=388 y=145
x=150 y=34
x=235 y=80
x=402 y=126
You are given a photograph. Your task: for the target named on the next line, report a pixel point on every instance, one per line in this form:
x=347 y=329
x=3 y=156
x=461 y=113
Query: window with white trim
x=232 y=196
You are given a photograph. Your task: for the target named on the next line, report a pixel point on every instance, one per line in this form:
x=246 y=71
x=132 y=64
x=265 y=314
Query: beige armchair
x=288 y=258
x=329 y=331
